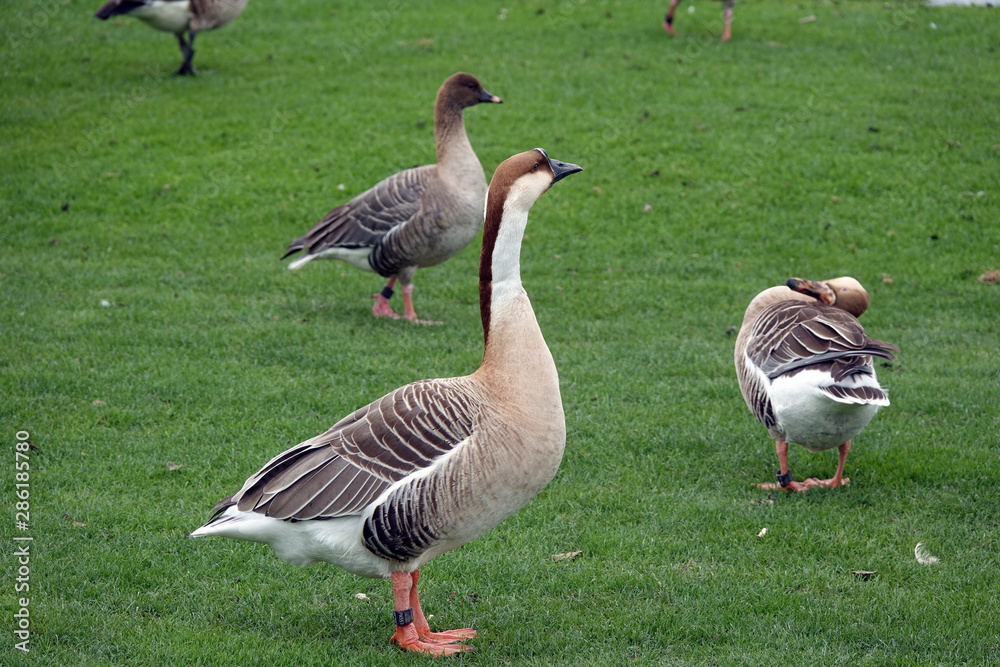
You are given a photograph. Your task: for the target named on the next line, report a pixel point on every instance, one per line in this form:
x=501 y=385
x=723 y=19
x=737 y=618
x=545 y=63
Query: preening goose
x=415 y=218
x=434 y=464
x=178 y=17
x=727 y=18
x=805 y=369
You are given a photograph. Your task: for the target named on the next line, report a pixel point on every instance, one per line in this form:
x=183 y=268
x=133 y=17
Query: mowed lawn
x=158 y=352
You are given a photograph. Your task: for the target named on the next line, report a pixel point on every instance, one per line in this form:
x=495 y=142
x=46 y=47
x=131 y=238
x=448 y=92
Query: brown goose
x=805 y=369
x=727 y=18
x=434 y=464
x=178 y=17
x=416 y=218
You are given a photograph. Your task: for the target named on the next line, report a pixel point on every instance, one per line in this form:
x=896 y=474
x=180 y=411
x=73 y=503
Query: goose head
x=518 y=183
x=464 y=90
x=845 y=293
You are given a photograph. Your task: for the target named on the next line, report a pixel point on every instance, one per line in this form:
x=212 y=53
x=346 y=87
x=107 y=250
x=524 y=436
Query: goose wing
x=362 y=221
x=789 y=335
x=342 y=471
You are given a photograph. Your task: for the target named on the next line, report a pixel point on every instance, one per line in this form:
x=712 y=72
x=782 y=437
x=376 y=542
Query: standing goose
x=415 y=218
x=436 y=463
x=805 y=369
x=178 y=17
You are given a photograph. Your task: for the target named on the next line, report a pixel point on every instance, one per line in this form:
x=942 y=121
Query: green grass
x=865 y=142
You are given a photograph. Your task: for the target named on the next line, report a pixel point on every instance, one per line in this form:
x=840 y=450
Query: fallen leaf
x=990 y=277
x=886 y=279
x=763 y=532
x=361 y=596
x=171 y=466
x=648 y=208
x=923 y=556
x=864 y=575
x=98 y=403
x=569 y=555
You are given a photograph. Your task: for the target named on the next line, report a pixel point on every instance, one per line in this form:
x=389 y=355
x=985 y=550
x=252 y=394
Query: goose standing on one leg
x=416 y=218
x=727 y=18
x=805 y=369
x=178 y=17
x=434 y=464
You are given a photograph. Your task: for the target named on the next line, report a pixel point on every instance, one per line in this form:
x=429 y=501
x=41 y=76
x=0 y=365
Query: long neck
x=510 y=331
x=454 y=152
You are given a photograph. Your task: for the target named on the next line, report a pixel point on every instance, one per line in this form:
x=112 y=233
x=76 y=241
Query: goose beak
x=817 y=290
x=489 y=97
x=561 y=170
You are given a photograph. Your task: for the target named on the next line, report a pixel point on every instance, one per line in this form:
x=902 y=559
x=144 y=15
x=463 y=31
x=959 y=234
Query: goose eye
x=534 y=167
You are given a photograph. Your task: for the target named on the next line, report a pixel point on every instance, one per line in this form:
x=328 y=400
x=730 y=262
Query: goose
x=178 y=17
x=727 y=18
x=433 y=464
x=805 y=369
x=415 y=218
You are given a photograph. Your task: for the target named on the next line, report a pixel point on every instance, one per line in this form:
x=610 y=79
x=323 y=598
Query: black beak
x=561 y=170
x=487 y=96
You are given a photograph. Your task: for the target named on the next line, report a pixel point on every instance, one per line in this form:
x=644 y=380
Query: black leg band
x=386 y=292
x=404 y=617
x=669 y=19
x=786 y=479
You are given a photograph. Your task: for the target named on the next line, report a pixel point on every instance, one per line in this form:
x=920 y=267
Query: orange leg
x=839 y=479
x=382 y=307
x=408 y=312
x=781 y=447
x=727 y=17
x=668 y=21
x=416 y=635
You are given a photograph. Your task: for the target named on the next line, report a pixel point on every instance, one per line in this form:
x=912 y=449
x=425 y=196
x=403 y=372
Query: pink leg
x=408 y=311
x=727 y=17
x=839 y=479
x=382 y=307
x=404 y=594
x=668 y=21
x=781 y=446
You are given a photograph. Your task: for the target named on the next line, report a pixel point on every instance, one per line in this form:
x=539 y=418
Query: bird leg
x=382 y=307
x=408 y=312
x=727 y=19
x=411 y=637
x=838 y=479
x=424 y=629
x=668 y=21
x=781 y=446
x=187 y=48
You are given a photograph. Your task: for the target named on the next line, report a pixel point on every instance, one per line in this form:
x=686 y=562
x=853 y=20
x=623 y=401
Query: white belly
x=169 y=15
x=809 y=417
x=336 y=541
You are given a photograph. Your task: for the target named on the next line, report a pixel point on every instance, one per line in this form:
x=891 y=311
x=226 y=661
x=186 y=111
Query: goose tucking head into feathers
x=806 y=371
